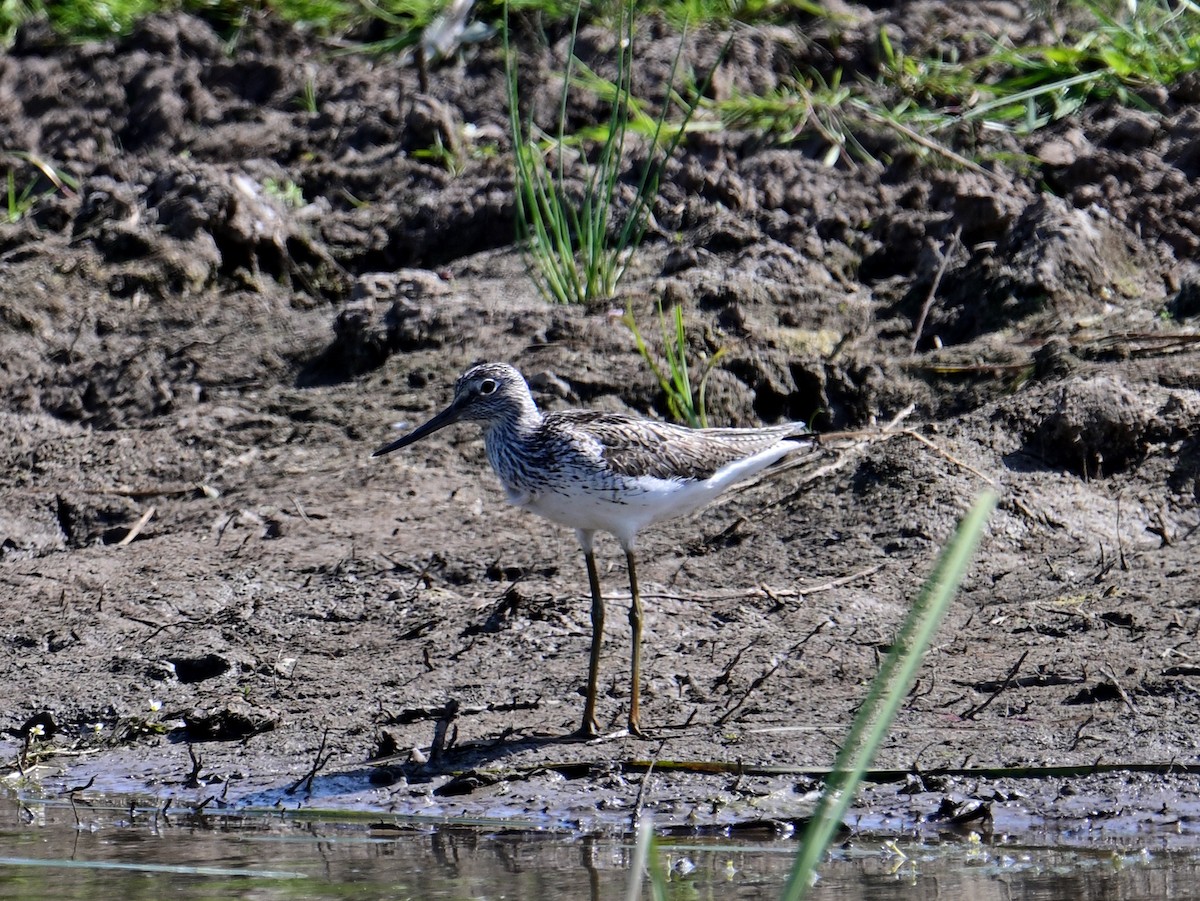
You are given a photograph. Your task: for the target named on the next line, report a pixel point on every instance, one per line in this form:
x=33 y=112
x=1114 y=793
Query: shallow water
x=49 y=850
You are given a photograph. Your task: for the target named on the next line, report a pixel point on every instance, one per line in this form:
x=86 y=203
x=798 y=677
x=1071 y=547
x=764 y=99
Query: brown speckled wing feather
x=639 y=447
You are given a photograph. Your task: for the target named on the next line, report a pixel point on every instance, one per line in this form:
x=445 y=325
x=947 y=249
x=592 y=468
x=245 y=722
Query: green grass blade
x=887 y=692
x=568 y=250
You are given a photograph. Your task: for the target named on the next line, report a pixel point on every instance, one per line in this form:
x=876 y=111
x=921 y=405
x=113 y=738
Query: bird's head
x=489 y=393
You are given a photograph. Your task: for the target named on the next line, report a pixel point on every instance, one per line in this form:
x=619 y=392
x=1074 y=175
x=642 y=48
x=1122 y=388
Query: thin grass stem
x=885 y=696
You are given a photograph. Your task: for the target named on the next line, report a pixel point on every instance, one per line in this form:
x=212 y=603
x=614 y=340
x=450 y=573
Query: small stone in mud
x=1186 y=303
x=387 y=745
x=41 y=724
x=199 y=668
x=235 y=719
x=1098 y=427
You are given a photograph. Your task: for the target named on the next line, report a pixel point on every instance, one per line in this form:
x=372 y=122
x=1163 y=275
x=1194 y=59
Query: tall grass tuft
x=577 y=250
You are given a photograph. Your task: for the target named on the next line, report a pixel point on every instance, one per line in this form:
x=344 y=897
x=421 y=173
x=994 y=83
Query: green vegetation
x=577 y=252
x=286 y=192
x=21 y=197
x=307 y=98
x=674 y=377
x=919 y=100
x=82 y=20
x=888 y=690
x=1153 y=44
x=1110 y=49
x=19 y=201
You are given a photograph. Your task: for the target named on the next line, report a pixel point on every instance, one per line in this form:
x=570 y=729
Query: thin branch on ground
x=949 y=456
x=1005 y=684
x=640 y=801
x=758 y=591
x=770 y=671
x=753 y=687
x=137 y=527
x=319 y=762
x=945 y=254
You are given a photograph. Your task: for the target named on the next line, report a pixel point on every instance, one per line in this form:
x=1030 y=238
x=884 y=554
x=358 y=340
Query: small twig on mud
x=949 y=456
x=72 y=792
x=776 y=595
x=787 y=655
x=640 y=800
x=1079 y=736
x=928 y=143
x=983 y=370
x=802 y=593
x=944 y=255
x=842 y=580
x=137 y=527
x=193 y=778
x=1120 y=689
x=916 y=693
x=440 y=744
x=1120 y=543
x=179 y=624
x=899 y=418
x=863 y=437
x=971 y=712
x=318 y=764
x=455 y=708
x=728 y=671
x=812 y=633
x=754 y=686
x=151 y=491
x=1134 y=344
x=300 y=509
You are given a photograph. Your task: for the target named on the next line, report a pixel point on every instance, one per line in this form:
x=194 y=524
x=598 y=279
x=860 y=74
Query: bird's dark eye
x=487 y=386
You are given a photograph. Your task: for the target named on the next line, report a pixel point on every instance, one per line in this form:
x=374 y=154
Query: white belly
x=621 y=513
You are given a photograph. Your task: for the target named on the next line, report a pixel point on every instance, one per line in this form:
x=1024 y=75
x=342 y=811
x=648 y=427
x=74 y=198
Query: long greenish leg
x=590 y=728
x=635 y=624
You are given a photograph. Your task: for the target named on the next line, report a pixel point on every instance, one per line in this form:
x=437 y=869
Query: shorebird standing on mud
x=603 y=472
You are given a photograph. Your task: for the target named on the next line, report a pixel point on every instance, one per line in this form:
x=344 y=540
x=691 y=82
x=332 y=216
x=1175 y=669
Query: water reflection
x=45 y=855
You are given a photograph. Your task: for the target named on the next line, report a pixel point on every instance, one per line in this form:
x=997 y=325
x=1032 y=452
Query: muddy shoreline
x=196 y=549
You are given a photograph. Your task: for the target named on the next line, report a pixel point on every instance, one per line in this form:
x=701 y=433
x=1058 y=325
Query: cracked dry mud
x=195 y=372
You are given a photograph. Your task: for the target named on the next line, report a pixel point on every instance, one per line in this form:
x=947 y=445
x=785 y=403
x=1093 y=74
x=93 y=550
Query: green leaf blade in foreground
x=887 y=692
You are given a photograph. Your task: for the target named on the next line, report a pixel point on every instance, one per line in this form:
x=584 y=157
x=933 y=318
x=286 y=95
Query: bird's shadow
x=469 y=766
x=468 y=760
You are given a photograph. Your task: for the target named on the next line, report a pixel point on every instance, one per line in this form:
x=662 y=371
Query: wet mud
x=211 y=592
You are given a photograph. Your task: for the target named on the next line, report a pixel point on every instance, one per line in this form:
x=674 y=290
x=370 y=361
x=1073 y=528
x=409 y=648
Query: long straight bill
x=443 y=419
